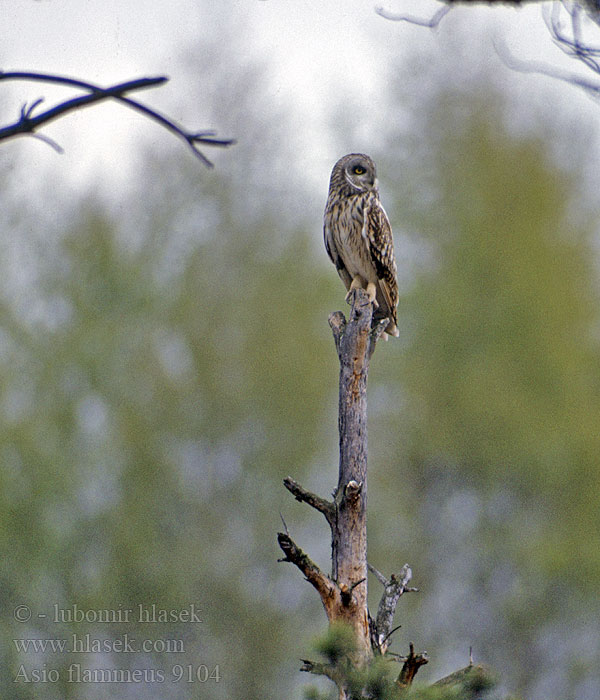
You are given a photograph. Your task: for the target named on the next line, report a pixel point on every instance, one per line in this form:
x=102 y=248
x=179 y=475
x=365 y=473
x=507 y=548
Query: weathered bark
x=382 y=627
x=344 y=594
x=355 y=343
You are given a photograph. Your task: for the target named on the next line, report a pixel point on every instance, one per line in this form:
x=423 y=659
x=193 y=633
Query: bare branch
x=27 y=123
x=337 y=322
x=431 y=23
x=377 y=331
x=394 y=587
x=293 y=554
x=378 y=575
x=543 y=69
x=46 y=139
x=321 y=504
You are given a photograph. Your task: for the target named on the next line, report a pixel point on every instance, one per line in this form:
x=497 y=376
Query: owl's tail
x=392 y=329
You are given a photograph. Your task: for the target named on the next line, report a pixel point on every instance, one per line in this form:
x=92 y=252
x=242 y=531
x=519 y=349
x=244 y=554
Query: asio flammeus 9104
x=358 y=235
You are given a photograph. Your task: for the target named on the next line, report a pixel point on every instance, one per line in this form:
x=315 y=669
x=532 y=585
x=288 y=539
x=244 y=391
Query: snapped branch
x=28 y=123
x=301 y=494
x=293 y=554
x=412 y=663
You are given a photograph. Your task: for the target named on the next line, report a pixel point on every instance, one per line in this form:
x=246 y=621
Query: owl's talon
x=372 y=292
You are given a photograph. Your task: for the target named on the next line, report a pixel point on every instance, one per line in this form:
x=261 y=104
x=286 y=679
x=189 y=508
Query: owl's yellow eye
x=358 y=170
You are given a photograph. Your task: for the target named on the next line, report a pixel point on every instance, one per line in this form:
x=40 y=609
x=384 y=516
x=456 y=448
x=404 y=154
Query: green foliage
x=378 y=680
x=151 y=408
x=497 y=388
x=337 y=644
x=508 y=386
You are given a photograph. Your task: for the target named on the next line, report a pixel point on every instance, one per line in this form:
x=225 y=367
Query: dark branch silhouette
x=28 y=123
x=516 y=64
x=572 y=45
x=569 y=38
x=565 y=23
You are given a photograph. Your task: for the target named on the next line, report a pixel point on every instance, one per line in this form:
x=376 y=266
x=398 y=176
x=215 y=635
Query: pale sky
x=315 y=50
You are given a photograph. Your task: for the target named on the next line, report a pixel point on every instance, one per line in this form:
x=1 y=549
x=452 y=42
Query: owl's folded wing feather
x=378 y=233
x=335 y=257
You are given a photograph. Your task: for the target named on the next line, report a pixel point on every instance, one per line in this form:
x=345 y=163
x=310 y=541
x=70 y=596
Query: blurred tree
x=158 y=380
x=497 y=396
x=157 y=388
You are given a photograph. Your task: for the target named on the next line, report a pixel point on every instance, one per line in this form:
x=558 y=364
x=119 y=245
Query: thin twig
x=285 y=527
x=543 y=69
x=27 y=123
x=432 y=23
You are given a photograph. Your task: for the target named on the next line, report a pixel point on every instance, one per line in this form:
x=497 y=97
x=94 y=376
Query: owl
x=358 y=235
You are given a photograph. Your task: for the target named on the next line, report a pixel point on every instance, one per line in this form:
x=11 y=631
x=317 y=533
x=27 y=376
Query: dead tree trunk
x=355 y=342
x=344 y=593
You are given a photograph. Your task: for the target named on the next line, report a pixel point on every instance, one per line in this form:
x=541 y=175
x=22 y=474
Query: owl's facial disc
x=360 y=175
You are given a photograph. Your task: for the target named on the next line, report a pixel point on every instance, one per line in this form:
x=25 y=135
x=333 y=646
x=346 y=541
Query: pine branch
x=473 y=680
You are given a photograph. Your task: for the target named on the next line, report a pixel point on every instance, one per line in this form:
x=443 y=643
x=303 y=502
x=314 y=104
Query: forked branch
x=28 y=123
x=393 y=588
x=412 y=663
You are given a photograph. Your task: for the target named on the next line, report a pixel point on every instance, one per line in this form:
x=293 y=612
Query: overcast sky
x=317 y=52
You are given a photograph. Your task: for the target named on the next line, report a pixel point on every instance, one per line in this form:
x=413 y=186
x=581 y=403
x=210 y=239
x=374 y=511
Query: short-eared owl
x=358 y=235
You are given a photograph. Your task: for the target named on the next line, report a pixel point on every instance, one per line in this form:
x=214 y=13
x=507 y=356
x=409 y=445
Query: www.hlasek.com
x=87 y=644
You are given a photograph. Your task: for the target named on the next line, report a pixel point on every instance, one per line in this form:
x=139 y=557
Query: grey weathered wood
x=344 y=595
x=382 y=627
x=349 y=541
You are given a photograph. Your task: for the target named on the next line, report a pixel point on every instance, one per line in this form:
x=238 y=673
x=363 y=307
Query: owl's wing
x=335 y=257
x=377 y=233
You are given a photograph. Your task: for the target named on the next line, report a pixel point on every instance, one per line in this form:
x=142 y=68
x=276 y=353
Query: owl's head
x=356 y=170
